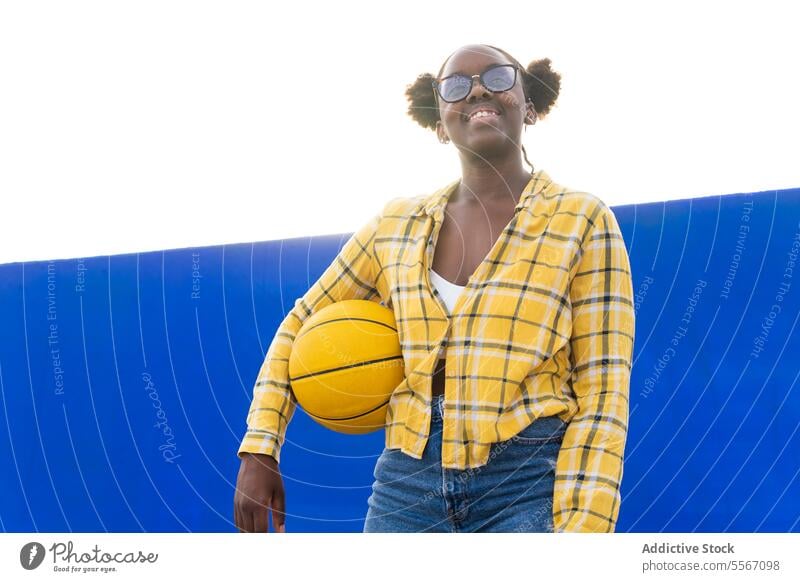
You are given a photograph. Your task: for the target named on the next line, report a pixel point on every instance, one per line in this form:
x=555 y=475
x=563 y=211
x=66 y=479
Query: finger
x=237 y=517
x=279 y=510
x=261 y=518
x=247 y=521
x=240 y=520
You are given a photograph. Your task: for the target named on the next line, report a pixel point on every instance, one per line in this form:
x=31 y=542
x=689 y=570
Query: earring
x=531 y=116
x=444 y=140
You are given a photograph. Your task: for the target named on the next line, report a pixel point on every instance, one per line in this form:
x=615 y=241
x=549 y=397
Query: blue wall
x=124 y=395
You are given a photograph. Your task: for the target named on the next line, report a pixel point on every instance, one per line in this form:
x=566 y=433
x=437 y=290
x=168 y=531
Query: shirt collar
x=436 y=202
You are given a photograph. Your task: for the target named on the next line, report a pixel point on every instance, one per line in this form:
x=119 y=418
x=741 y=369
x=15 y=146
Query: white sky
x=136 y=126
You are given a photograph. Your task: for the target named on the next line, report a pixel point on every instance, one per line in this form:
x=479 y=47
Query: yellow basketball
x=345 y=363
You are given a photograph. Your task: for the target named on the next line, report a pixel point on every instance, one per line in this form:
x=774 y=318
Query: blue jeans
x=513 y=492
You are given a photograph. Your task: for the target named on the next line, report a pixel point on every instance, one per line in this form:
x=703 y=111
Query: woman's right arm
x=259 y=486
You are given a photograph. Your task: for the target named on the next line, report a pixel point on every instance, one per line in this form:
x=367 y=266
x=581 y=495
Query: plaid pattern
x=545 y=326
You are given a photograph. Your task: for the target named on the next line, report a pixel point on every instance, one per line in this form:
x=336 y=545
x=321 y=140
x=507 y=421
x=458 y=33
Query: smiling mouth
x=482 y=114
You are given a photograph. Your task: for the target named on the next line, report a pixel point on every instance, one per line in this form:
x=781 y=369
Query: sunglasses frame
x=436 y=83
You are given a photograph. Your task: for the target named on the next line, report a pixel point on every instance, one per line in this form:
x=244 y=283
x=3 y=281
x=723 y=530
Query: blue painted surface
x=124 y=395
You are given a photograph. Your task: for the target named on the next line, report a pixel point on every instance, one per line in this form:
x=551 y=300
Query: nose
x=478 y=91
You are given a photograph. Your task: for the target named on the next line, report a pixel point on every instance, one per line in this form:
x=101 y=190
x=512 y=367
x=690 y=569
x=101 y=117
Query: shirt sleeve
x=351 y=275
x=589 y=465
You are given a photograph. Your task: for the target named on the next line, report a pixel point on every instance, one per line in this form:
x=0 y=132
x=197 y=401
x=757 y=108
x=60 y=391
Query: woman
x=514 y=304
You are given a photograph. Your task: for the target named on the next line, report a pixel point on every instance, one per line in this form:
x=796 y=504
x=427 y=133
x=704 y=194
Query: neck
x=487 y=180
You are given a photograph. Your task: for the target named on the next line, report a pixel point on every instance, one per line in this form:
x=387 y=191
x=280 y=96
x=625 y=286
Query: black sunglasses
x=496 y=78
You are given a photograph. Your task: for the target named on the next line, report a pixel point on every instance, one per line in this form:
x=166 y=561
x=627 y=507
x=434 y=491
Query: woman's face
x=490 y=135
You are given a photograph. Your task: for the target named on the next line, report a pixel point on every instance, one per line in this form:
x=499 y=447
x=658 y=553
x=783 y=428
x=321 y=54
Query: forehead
x=473 y=60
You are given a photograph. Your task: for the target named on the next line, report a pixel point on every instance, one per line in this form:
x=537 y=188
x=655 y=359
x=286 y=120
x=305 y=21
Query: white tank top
x=449 y=292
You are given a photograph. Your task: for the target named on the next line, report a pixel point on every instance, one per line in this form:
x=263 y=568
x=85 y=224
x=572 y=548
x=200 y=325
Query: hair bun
x=422 y=103
x=542 y=85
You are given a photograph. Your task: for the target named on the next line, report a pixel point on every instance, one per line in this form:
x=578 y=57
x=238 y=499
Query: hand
x=259 y=486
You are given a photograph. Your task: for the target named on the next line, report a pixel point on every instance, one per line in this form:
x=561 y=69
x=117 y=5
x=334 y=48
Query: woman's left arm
x=589 y=465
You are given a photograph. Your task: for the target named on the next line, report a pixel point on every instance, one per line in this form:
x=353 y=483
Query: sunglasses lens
x=454 y=88
x=499 y=78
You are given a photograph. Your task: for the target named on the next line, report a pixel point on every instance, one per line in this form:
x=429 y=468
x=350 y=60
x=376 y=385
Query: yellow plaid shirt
x=545 y=326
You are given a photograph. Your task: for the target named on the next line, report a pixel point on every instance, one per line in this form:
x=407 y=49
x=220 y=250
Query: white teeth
x=482 y=114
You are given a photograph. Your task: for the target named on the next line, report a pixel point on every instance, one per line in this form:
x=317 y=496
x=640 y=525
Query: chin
x=488 y=145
